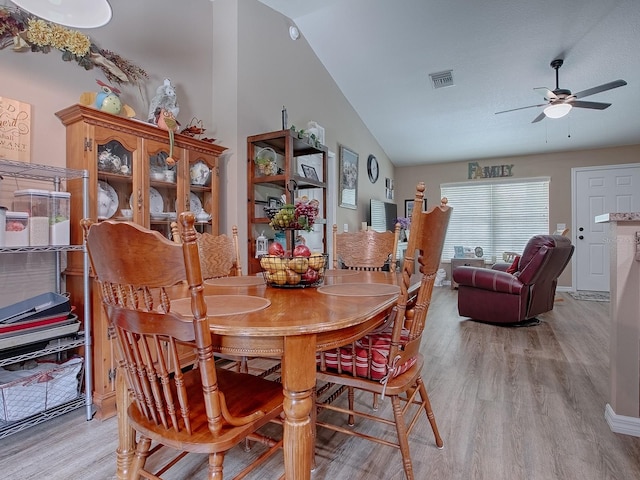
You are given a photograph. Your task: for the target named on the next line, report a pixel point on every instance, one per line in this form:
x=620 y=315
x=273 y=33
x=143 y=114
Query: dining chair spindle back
x=365 y=250
x=219 y=254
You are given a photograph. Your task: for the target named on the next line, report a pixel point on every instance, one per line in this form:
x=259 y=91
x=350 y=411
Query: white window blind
x=378 y=216
x=499 y=215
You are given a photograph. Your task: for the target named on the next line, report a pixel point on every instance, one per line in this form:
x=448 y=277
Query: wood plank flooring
x=511 y=404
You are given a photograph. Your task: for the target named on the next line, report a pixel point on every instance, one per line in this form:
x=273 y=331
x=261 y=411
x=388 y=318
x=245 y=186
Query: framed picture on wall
x=408 y=207
x=348 y=183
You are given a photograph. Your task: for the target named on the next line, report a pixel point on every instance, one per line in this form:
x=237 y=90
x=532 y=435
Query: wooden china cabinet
x=126 y=160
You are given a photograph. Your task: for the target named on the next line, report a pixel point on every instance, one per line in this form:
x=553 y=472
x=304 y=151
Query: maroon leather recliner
x=495 y=296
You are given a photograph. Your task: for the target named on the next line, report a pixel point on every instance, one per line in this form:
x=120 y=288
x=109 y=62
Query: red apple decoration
x=301 y=251
x=310 y=276
x=276 y=248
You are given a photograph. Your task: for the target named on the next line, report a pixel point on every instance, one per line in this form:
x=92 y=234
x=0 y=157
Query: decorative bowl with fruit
x=302 y=269
x=299 y=216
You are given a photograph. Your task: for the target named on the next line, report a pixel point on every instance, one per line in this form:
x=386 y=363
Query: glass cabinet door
x=202 y=194
x=114 y=168
x=162 y=179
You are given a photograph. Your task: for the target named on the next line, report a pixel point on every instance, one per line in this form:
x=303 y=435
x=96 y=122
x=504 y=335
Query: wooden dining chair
x=204 y=409
x=365 y=250
x=388 y=362
x=219 y=254
x=220 y=257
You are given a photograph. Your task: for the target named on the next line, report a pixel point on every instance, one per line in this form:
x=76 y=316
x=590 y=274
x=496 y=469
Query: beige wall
x=557 y=166
x=258 y=70
x=234 y=67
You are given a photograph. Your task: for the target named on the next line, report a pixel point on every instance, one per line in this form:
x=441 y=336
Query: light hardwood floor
x=511 y=404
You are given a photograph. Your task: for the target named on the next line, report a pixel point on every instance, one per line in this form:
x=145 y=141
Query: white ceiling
x=380 y=54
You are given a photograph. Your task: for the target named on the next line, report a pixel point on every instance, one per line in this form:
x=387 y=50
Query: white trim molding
x=621 y=423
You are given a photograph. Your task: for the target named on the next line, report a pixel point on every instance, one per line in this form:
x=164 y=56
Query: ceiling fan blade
x=539 y=117
x=546 y=93
x=521 y=108
x=600 y=88
x=594 y=105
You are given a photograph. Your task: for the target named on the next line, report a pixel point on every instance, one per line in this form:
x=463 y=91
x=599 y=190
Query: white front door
x=598 y=190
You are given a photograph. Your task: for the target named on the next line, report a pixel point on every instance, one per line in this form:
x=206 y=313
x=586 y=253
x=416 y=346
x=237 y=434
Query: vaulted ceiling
x=381 y=52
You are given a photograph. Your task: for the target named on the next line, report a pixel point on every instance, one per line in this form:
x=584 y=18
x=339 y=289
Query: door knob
x=581 y=237
x=581 y=229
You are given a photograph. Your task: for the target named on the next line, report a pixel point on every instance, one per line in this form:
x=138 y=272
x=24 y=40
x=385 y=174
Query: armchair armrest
x=500 y=266
x=487 y=279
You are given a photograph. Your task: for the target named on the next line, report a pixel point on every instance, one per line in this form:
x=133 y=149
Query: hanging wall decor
x=27 y=33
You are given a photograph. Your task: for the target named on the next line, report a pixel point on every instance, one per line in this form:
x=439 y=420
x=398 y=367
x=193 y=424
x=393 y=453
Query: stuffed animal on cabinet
x=166 y=99
x=165 y=120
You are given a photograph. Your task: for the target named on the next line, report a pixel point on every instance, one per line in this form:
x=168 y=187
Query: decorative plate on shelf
x=199 y=173
x=196 y=204
x=107 y=201
x=156 y=202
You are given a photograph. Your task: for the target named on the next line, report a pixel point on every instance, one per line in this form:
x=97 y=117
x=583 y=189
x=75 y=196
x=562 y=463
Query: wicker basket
x=27 y=392
x=294 y=272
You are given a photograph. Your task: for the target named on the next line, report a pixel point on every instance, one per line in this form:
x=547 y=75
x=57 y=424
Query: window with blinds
x=497 y=215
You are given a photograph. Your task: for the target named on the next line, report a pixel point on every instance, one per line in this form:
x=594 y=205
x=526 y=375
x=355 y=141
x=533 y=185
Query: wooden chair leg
x=427 y=408
x=403 y=436
x=243 y=365
x=140 y=457
x=314 y=429
x=215 y=466
x=351 y=396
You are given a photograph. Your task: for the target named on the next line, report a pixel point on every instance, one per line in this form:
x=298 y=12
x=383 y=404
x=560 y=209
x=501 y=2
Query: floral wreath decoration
x=28 y=32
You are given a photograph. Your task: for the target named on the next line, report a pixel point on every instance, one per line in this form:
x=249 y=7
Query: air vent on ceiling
x=442 y=79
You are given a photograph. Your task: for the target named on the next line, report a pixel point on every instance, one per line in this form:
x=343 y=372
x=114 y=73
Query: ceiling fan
x=560 y=101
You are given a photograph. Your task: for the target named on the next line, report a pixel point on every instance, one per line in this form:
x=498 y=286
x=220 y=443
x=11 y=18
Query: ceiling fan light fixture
x=70 y=13
x=557 y=110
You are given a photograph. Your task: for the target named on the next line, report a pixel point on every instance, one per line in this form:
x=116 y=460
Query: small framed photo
x=310 y=172
x=388 y=193
x=408 y=207
x=458 y=252
x=274 y=202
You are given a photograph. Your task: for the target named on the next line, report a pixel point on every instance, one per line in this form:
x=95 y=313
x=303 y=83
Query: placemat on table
x=244 y=281
x=221 y=305
x=359 y=289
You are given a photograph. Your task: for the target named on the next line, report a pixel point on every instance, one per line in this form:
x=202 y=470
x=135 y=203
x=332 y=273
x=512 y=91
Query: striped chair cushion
x=374 y=367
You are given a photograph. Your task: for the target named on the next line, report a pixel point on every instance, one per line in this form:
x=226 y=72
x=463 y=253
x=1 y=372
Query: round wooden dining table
x=290 y=323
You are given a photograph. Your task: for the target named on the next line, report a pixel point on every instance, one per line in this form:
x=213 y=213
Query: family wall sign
x=494 y=171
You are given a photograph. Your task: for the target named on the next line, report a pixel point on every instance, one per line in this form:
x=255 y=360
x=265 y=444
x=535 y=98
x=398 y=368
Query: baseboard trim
x=621 y=423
